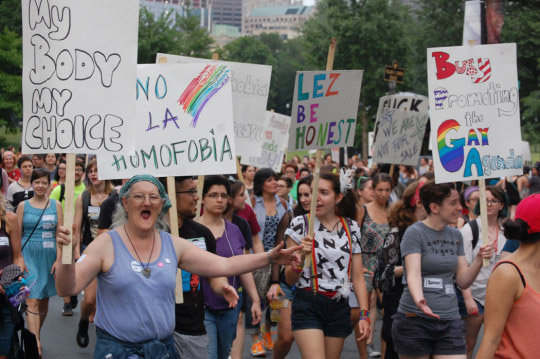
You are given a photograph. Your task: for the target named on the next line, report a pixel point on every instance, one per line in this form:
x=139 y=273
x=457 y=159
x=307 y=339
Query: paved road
x=58 y=336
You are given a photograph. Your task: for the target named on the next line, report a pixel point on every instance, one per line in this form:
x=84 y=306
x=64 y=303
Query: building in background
x=249 y=5
x=284 y=20
x=158 y=7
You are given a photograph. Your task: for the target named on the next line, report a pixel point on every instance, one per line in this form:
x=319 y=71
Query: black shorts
x=421 y=336
x=316 y=311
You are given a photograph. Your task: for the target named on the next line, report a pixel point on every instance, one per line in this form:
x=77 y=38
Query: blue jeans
x=6 y=329
x=221 y=329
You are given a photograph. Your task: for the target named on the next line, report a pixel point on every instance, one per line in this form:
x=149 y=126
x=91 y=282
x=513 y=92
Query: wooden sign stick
x=318 y=157
x=392 y=167
x=239 y=171
x=483 y=216
x=173 y=222
x=67 y=250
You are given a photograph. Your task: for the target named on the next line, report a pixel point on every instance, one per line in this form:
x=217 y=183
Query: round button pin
x=167 y=260
x=160 y=264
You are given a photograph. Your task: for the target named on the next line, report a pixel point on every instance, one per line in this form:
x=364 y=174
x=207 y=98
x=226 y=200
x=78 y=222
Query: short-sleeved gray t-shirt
x=440 y=251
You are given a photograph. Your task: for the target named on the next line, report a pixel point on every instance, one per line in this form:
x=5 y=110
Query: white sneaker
x=372 y=353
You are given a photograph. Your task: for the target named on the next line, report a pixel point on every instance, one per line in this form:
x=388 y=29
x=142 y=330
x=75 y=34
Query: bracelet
x=364 y=315
x=272 y=282
x=297 y=269
x=270 y=256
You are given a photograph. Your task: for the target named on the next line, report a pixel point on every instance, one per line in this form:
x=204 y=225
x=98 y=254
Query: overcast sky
x=309 y=2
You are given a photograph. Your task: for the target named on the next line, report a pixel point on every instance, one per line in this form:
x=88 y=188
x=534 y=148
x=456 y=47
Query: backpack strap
x=475 y=232
x=62 y=192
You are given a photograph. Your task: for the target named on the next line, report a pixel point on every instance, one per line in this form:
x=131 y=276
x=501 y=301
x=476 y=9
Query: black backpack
x=475 y=232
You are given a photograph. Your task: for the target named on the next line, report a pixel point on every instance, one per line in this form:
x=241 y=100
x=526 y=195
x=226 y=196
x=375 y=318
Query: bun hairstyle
x=347 y=206
x=432 y=192
x=518 y=229
x=402 y=212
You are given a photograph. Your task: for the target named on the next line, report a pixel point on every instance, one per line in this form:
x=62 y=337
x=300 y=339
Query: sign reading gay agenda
x=276 y=136
x=325 y=106
x=183 y=125
x=474 y=111
x=250 y=85
x=79 y=64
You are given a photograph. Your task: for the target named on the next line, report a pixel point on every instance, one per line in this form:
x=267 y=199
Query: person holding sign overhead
x=427 y=322
x=136 y=270
x=39 y=218
x=320 y=309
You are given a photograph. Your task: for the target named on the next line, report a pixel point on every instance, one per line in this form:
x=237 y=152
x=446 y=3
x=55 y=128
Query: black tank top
x=6 y=256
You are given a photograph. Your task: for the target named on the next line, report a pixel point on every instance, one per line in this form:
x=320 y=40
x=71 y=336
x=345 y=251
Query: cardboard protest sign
x=325 y=107
x=79 y=65
x=183 y=124
x=276 y=136
x=398 y=136
x=403 y=101
x=250 y=85
x=474 y=111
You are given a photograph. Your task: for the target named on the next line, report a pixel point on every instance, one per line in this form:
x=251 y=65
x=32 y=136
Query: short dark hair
x=432 y=192
x=217 y=180
x=181 y=179
x=81 y=165
x=39 y=155
x=245 y=167
x=261 y=176
x=23 y=159
x=304 y=169
x=286 y=179
x=40 y=173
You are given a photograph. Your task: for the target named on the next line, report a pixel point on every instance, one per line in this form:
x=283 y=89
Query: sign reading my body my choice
x=79 y=65
x=325 y=107
x=183 y=126
x=474 y=111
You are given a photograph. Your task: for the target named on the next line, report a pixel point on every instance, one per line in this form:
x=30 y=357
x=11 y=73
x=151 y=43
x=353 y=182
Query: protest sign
x=398 y=137
x=79 y=65
x=324 y=111
x=183 y=124
x=276 y=136
x=250 y=86
x=474 y=111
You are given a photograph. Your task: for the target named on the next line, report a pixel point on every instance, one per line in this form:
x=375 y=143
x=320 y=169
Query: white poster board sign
x=474 y=111
x=526 y=152
x=398 y=137
x=250 y=85
x=371 y=136
x=183 y=126
x=324 y=111
x=472 y=26
x=79 y=65
x=276 y=136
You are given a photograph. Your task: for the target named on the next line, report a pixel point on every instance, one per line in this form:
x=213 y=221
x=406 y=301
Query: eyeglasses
x=91 y=172
x=281 y=186
x=140 y=198
x=215 y=195
x=192 y=192
x=79 y=170
x=492 y=201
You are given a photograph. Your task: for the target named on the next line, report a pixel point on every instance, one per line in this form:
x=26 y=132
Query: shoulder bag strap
x=37 y=223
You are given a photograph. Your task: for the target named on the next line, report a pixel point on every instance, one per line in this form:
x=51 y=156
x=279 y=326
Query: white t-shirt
x=478 y=288
x=332 y=251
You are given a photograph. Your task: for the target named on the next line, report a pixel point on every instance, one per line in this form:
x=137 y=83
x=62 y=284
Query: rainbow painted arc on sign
x=451 y=157
x=202 y=89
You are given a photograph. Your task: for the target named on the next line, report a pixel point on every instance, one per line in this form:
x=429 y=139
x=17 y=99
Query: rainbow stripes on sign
x=202 y=88
x=451 y=157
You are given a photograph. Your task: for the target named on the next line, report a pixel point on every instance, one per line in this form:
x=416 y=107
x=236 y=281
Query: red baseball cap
x=528 y=210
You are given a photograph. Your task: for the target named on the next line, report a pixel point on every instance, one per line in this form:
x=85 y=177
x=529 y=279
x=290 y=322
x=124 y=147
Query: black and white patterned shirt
x=332 y=252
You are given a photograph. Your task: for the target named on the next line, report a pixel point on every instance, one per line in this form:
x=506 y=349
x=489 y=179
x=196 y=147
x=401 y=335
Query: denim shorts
x=418 y=336
x=463 y=308
x=6 y=329
x=316 y=311
x=288 y=291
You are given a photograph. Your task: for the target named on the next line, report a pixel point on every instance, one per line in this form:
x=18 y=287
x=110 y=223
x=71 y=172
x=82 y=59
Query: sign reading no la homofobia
x=325 y=107
x=250 y=85
x=474 y=112
x=79 y=65
x=183 y=124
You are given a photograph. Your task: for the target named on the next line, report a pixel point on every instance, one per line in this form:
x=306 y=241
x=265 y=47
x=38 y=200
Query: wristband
x=272 y=282
x=364 y=315
x=297 y=269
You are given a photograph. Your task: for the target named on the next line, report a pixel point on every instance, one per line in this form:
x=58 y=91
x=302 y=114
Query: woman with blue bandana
x=136 y=266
